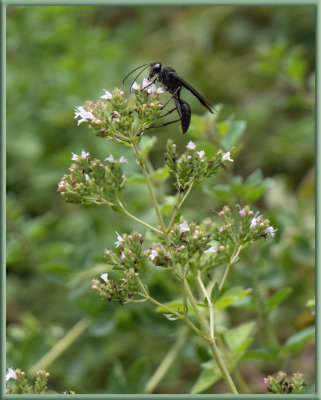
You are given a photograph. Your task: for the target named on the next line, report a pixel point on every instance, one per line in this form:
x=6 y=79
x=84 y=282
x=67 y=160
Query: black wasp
x=173 y=84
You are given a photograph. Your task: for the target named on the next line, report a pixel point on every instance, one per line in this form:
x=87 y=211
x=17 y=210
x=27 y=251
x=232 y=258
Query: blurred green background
x=258 y=63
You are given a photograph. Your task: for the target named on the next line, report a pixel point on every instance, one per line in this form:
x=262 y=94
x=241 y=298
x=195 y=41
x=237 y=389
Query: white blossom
x=123 y=160
x=10 y=374
x=270 y=231
x=153 y=254
x=110 y=158
x=226 y=157
x=104 y=277
x=146 y=82
x=84 y=115
x=191 y=145
x=183 y=227
x=74 y=157
x=107 y=95
x=201 y=153
x=135 y=86
x=84 y=154
x=253 y=222
x=210 y=250
x=119 y=240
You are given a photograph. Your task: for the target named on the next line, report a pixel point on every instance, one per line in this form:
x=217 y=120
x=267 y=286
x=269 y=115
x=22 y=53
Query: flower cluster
x=127 y=253
x=282 y=384
x=21 y=384
x=114 y=117
x=192 y=166
x=90 y=181
x=127 y=257
x=185 y=241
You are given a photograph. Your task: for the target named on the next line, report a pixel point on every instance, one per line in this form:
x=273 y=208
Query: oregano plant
x=190 y=250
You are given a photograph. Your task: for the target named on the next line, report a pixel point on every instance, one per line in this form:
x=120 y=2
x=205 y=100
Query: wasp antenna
x=133 y=71
x=138 y=75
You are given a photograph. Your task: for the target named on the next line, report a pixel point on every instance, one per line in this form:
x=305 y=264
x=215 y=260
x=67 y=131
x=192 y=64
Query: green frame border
x=3 y=5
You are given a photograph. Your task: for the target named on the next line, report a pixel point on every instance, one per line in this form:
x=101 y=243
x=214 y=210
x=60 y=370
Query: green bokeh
x=258 y=62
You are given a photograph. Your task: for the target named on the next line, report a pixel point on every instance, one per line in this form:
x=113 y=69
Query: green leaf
x=297 y=341
x=232 y=131
x=175 y=305
x=278 y=297
x=135 y=178
x=197 y=127
x=170 y=317
x=117 y=208
x=206 y=379
x=238 y=338
x=215 y=293
x=137 y=375
x=146 y=144
x=232 y=296
x=161 y=174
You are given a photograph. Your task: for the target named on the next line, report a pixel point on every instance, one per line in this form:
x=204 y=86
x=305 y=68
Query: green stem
x=209 y=302
x=149 y=185
x=230 y=263
x=225 y=373
x=178 y=206
x=167 y=362
x=178 y=315
x=139 y=220
x=62 y=345
x=236 y=372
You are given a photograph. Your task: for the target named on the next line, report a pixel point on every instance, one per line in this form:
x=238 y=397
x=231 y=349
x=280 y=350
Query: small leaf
x=176 y=305
x=232 y=131
x=278 y=297
x=232 y=296
x=237 y=338
x=206 y=379
x=215 y=293
x=170 y=317
x=146 y=144
x=117 y=208
x=297 y=341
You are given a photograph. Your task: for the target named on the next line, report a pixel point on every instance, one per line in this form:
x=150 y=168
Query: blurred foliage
x=256 y=61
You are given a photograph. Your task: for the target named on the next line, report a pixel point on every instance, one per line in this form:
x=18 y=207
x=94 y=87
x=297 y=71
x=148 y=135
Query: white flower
x=201 y=153
x=151 y=88
x=270 y=231
x=123 y=160
x=226 y=157
x=74 y=157
x=253 y=222
x=183 y=227
x=87 y=177
x=119 y=240
x=84 y=115
x=84 y=154
x=107 y=95
x=146 y=82
x=159 y=90
x=123 y=255
x=210 y=250
x=191 y=145
x=135 y=86
x=104 y=277
x=110 y=158
x=153 y=254
x=10 y=374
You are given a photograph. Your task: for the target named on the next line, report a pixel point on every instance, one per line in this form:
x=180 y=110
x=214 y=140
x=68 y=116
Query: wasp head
x=154 y=69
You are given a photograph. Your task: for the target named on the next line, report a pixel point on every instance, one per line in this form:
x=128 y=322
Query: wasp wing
x=186 y=85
